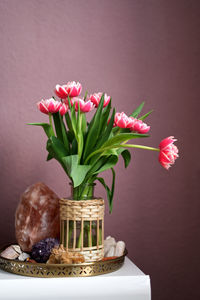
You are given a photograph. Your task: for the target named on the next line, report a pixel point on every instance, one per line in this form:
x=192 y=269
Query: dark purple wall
x=133 y=50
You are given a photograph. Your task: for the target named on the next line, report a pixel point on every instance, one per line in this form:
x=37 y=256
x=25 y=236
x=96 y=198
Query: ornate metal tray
x=61 y=270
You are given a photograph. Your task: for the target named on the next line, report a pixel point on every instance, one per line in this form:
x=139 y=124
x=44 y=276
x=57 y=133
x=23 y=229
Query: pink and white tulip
x=60 y=91
x=168 y=152
x=63 y=109
x=49 y=106
x=71 y=89
x=96 y=97
x=123 y=121
x=85 y=106
x=139 y=126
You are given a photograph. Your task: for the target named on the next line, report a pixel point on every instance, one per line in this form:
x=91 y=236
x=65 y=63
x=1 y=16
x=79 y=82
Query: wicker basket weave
x=74 y=217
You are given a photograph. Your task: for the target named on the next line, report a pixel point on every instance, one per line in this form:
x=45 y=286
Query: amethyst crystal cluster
x=42 y=250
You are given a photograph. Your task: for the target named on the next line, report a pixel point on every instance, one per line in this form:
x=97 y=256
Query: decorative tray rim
x=43 y=270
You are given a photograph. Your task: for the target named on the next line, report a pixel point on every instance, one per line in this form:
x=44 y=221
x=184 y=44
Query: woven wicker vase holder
x=75 y=214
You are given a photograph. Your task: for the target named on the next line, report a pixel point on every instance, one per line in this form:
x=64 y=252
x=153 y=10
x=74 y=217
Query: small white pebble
x=108 y=243
x=111 y=252
x=120 y=247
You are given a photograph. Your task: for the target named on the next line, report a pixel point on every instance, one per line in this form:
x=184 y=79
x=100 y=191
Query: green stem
x=120 y=146
x=85 y=95
x=79 y=136
x=100 y=236
x=91 y=240
x=79 y=241
x=70 y=232
x=118 y=131
x=65 y=240
x=88 y=233
x=50 y=122
x=83 y=192
x=140 y=147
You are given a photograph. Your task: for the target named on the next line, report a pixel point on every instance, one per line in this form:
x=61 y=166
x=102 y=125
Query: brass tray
x=61 y=270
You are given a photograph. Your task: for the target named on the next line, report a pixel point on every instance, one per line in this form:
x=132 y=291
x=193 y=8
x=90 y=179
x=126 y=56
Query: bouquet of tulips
x=84 y=149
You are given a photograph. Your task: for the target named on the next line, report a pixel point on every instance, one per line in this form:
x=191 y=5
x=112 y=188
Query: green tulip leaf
x=109 y=191
x=76 y=172
x=137 y=110
x=110 y=162
x=107 y=132
x=105 y=116
x=79 y=134
x=64 y=134
x=146 y=115
x=56 y=148
x=126 y=157
x=74 y=148
x=57 y=124
x=47 y=128
x=68 y=121
x=49 y=157
x=93 y=130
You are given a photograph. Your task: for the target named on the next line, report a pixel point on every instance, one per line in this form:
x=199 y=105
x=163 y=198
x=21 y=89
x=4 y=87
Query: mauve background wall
x=134 y=51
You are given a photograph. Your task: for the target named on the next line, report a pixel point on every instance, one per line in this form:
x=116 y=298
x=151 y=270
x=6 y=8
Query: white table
x=127 y=283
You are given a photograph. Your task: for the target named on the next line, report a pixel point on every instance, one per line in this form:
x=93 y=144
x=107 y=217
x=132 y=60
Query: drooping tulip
x=49 y=106
x=96 y=97
x=168 y=152
x=85 y=106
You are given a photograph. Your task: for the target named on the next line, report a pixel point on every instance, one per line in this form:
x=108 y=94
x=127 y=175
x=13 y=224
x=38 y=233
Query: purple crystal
x=42 y=250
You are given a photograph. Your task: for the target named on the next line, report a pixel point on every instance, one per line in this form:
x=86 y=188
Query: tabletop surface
x=129 y=282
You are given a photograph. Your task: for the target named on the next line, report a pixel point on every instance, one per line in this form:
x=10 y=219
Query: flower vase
x=82 y=223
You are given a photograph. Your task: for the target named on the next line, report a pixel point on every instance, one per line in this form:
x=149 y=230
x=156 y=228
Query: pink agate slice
x=37 y=216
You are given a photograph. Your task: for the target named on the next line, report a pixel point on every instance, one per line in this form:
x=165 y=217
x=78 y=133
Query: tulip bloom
x=168 y=152
x=95 y=98
x=139 y=126
x=71 y=89
x=60 y=91
x=63 y=109
x=49 y=106
x=85 y=106
x=123 y=121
